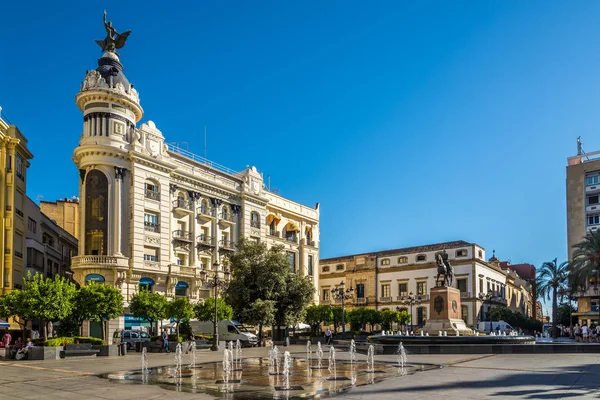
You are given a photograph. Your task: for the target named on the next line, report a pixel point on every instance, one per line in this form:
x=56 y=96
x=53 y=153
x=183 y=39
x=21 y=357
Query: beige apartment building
x=155 y=215
x=14 y=156
x=583 y=216
x=385 y=279
x=65 y=212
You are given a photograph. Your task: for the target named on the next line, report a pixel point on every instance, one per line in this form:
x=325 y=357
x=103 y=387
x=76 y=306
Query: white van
x=229 y=331
x=487 y=326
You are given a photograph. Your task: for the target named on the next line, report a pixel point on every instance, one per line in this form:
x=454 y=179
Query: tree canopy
x=551 y=278
x=206 y=311
x=180 y=309
x=317 y=315
x=586 y=259
x=148 y=305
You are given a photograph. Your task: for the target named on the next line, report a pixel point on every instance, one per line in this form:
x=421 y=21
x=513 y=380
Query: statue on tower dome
x=113 y=40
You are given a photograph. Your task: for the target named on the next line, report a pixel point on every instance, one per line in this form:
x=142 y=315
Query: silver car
x=131 y=337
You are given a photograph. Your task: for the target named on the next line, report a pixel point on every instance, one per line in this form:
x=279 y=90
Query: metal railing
x=150 y=227
x=274 y=233
x=228 y=217
x=204 y=240
x=292 y=238
x=254 y=224
x=152 y=195
x=182 y=235
x=227 y=244
x=360 y=300
x=206 y=211
x=176 y=149
x=183 y=204
x=385 y=299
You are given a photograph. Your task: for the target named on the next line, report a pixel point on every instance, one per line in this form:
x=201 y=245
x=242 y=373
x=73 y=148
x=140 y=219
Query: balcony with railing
x=274 y=233
x=227 y=218
x=360 y=301
x=182 y=235
x=227 y=245
x=385 y=299
x=291 y=238
x=205 y=213
x=204 y=241
x=183 y=206
x=254 y=223
x=152 y=195
x=151 y=227
x=104 y=261
x=182 y=270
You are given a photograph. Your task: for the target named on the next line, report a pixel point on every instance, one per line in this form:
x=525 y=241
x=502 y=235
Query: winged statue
x=114 y=40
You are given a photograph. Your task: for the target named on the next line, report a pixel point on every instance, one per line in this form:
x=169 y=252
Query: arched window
x=181 y=200
x=402 y=260
x=254 y=219
x=152 y=190
x=225 y=213
x=96 y=213
x=309 y=235
x=339 y=267
x=326 y=268
x=204 y=207
x=385 y=261
x=421 y=257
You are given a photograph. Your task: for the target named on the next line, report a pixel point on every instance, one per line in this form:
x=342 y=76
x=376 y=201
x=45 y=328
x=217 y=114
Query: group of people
x=19 y=349
x=586 y=334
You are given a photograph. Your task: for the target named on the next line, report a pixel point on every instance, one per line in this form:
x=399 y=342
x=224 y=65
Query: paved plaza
x=461 y=377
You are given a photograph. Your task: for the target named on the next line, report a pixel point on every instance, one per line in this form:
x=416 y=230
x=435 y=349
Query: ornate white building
x=153 y=214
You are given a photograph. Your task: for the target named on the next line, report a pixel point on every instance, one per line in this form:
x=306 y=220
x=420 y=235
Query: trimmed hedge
x=62 y=341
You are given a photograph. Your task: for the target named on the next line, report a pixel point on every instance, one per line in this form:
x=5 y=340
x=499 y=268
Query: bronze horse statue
x=445 y=270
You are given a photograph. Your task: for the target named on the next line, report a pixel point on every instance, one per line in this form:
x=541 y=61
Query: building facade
x=49 y=247
x=384 y=280
x=583 y=216
x=65 y=212
x=155 y=215
x=14 y=156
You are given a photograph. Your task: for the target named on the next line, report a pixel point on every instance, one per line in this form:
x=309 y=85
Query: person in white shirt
x=585 y=332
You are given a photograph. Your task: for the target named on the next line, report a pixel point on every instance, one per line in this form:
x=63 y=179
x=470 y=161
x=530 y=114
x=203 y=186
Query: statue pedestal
x=445 y=313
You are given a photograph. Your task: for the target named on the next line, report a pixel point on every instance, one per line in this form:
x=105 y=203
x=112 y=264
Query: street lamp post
x=344 y=294
x=410 y=300
x=217 y=282
x=487 y=298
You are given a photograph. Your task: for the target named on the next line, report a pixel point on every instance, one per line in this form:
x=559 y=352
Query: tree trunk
x=260 y=334
x=45 y=324
x=103 y=326
x=554 y=312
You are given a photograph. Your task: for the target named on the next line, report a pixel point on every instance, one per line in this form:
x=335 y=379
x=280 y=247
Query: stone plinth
x=445 y=312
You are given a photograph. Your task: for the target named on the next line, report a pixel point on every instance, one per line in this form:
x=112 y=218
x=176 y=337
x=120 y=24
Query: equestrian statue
x=445 y=270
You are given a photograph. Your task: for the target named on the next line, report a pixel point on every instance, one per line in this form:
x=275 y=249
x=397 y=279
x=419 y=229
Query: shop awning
x=273 y=217
x=292 y=227
x=4 y=324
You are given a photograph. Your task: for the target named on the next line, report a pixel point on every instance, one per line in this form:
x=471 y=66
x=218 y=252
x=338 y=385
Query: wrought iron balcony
x=182 y=235
x=255 y=224
x=274 y=233
x=228 y=218
x=360 y=300
x=292 y=238
x=385 y=299
x=150 y=227
x=183 y=205
x=204 y=241
x=227 y=245
x=152 y=195
x=205 y=212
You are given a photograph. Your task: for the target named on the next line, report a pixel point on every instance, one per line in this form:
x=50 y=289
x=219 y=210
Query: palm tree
x=586 y=258
x=550 y=278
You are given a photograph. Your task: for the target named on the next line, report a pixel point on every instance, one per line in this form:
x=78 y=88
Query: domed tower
x=111 y=108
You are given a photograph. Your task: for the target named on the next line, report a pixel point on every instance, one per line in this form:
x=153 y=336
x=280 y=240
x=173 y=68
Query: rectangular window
x=461 y=284
x=592 y=180
x=594 y=219
x=310 y=265
x=325 y=294
x=20 y=168
x=151 y=222
x=19 y=203
x=592 y=200
x=480 y=285
x=421 y=288
x=360 y=291
x=18 y=244
x=150 y=254
x=385 y=290
x=292 y=260
x=403 y=289
x=31 y=225
x=181 y=260
x=489 y=286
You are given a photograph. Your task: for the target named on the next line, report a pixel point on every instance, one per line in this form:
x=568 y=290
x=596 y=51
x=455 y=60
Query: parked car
x=487 y=326
x=130 y=337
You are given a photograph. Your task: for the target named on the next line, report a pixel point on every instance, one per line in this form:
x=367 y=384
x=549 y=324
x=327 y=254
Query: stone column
x=81 y=247
x=118 y=210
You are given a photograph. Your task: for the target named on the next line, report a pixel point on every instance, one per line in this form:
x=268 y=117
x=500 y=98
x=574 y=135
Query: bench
x=79 y=350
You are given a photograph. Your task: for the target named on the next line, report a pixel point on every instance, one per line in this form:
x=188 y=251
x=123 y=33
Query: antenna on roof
x=579 y=147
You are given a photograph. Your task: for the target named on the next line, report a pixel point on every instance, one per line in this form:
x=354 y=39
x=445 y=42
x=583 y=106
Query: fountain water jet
x=178 y=364
x=238 y=355
x=352 y=353
x=319 y=356
x=401 y=356
x=371 y=359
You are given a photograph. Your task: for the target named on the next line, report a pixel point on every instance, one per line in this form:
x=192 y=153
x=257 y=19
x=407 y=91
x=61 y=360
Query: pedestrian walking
x=191 y=342
x=165 y=342
x=328 y=336
x=6 y=339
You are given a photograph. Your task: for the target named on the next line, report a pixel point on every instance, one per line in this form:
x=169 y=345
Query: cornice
x=97 y=150
x=288 y=211
x=108 y=95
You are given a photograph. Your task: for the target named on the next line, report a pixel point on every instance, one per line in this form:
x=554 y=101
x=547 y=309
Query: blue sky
x=410 y=122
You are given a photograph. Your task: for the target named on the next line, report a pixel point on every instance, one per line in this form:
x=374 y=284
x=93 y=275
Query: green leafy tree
x=317 y=315
x=50 y=299
x=564 y=314
x=372 y=317
x=16 y=303
x=258 y=273
x=261 y=313
x=357 y=317
x=388 y=317
x=206 y=311
x=339 y=318
x=180 y=309
x=148 y=305
x=551 y=278
x=403 y=317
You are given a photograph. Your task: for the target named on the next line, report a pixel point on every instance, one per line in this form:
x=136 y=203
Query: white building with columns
x=155 y=215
